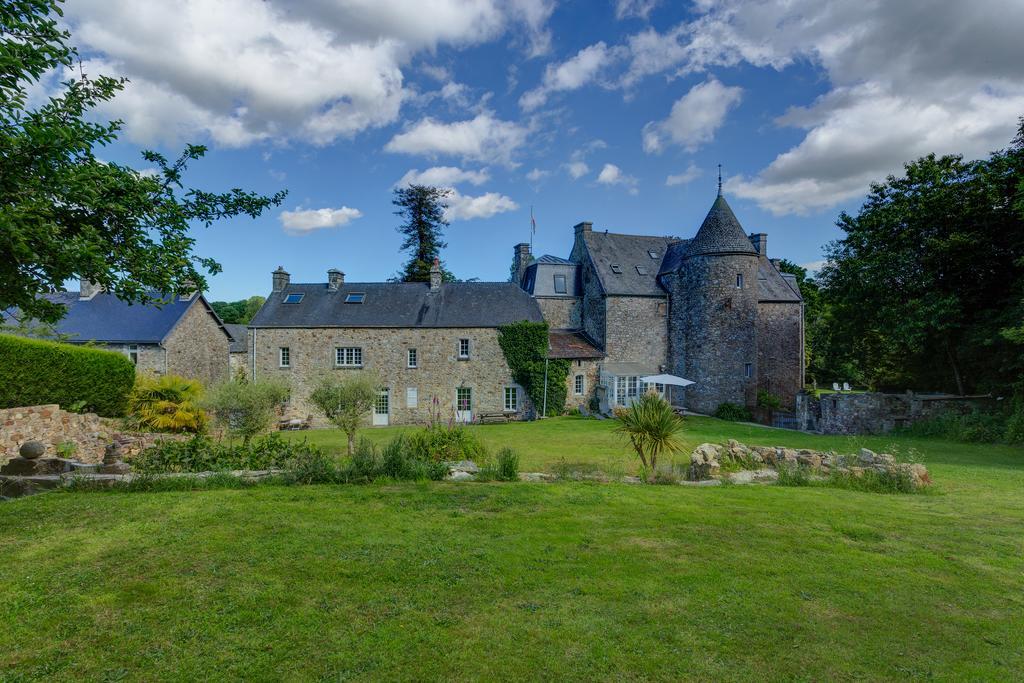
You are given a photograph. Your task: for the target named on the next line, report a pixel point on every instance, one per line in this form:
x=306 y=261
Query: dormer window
x=617 y=269
x=641 y=270
x=559 y=284
x=293 y=298
x=739 y=280
x=355 y=298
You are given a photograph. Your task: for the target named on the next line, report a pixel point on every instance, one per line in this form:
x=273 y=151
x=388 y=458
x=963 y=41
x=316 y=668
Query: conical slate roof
x=720 y=233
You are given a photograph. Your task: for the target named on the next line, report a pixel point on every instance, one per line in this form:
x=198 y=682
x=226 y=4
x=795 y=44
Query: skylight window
x=616 y=269
x=355 y=298
x=652 y=253
x=642 y=270
x=293 y=298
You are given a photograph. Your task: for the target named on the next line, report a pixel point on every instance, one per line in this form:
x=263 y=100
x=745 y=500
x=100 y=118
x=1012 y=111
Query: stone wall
x=89 y=433
x=560 y=313
x=713 y=330
x=877 y=413
x=438 y=373
x=592 y=306
x=238 y=362
x=198 y=347
x=637 y=330
x=589 y=368
x=780 y=360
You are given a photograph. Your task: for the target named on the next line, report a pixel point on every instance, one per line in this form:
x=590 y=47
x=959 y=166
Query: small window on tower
x=739 y=280
x=748 y=370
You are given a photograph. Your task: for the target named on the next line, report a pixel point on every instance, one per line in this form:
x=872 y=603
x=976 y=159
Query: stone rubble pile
x=707 y=460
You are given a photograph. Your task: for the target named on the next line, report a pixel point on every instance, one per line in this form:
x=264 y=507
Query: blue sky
x=614 y=112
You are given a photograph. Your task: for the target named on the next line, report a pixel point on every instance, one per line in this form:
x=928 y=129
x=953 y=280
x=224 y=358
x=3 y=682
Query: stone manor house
x=713 y=309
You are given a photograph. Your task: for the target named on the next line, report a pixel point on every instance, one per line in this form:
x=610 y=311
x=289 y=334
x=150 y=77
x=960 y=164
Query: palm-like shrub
x=168 y=404
x=652 y=428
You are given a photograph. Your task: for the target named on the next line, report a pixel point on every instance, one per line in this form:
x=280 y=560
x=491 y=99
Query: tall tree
x=422 y=209
x=929 y=275
x=66 y=214
x=240 y=312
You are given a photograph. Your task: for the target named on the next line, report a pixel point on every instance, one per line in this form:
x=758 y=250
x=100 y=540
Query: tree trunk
x=351 y=443
x=955 y=367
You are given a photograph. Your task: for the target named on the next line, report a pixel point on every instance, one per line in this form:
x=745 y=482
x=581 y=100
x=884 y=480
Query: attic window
x=652 y=253
x=355 y=298
x=559 y=284
x=293 y=298
x=641 y=270
x=616 y=269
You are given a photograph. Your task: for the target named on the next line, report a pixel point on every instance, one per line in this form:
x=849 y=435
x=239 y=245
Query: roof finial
x=719 y=180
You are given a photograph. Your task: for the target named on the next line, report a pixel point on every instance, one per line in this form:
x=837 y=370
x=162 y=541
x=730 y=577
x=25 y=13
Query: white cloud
x=694 y=117
x=242 y=71
x=304 y=221
x=688 y=176
x=463 y=208
x=572 y=74
x=613 y=175
x=482 y=138
x=537 y=174
x=634 y=8
x=906 y=78
x=443 y=176
x=813 y=267
x=577 y=169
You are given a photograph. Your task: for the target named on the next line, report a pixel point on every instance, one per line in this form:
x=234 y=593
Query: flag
x=533 y=223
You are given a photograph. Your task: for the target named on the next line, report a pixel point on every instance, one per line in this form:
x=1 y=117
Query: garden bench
x=492 y=418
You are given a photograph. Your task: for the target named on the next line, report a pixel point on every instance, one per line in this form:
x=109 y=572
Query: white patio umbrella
x=667 y=380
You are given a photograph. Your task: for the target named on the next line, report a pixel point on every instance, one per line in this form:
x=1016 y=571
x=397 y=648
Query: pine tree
x=422 y=207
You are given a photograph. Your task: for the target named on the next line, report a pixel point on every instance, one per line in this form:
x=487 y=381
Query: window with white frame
x=463 y=349
x=411 y=360
x=412 y=397
x=284 y=357
x=578 y=386
x=739 y=280
x=511 y=399
x=132 y=351
x=348 y=357
x=463 y=399
x=748 y=370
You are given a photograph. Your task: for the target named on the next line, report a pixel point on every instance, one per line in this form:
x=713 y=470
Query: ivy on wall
x=525 y=345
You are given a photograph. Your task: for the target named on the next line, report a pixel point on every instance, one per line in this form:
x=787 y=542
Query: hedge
x=35 y=372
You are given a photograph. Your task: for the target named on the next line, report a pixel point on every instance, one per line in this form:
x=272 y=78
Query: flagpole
x=533 y=228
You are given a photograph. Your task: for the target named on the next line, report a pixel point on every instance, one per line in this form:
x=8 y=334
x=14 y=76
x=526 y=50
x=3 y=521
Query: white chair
x=835 y=386
x=846 y=386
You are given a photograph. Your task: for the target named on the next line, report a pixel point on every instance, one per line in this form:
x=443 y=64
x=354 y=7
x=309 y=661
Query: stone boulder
x=30 y=450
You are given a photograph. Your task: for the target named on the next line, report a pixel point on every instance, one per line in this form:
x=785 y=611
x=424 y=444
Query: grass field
x=568 y=581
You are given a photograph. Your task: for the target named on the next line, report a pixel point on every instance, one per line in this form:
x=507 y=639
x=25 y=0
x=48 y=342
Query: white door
x=381 y=408
x=463 y=404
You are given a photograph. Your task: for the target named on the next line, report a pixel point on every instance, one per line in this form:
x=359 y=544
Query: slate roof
x=571 y=344
x=105 y=318
x=400 y=304
x=556 y=260
x=773 y=285
x=627 y=252
x=238 y=334
x=720 y=233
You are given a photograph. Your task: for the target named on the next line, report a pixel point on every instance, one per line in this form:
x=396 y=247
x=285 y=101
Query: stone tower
x=713 y=313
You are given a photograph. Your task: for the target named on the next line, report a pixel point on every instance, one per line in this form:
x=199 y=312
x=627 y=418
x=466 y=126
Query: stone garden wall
x=88 y=435
x=878 y=413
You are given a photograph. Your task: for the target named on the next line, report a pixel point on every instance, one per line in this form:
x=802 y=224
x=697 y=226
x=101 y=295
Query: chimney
x=760 y=242
x=520 y=259
x=335 y=279
x=87 y=289
x=585 y=226
x=435 y=275
x=280 y=279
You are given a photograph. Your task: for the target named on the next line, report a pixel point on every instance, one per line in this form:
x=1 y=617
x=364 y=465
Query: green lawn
x=527 y=581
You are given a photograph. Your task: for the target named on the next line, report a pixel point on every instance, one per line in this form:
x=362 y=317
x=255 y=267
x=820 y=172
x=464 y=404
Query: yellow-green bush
x=168 y=404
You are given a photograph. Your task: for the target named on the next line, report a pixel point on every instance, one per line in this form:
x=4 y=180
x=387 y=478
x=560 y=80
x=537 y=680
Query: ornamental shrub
x=732 y=412
x=442 y=442
x=35 y=372
x=168 y=403
x=202 y=454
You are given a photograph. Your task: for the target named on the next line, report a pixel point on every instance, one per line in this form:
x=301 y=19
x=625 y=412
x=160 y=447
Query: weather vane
x=719 y=180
